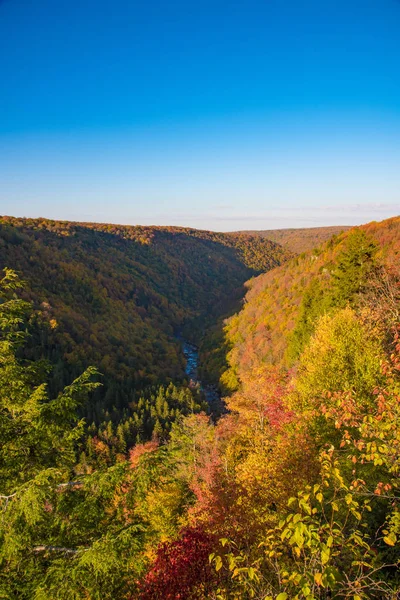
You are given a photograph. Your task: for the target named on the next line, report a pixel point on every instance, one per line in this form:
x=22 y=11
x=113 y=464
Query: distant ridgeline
x=115 y=296
x=300 y=240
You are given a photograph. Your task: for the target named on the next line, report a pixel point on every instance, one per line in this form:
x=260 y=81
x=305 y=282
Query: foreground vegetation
x=294 y=494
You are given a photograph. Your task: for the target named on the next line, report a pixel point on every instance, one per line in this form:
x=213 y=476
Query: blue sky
x=211 y=114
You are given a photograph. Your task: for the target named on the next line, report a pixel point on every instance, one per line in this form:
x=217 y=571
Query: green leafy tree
x=340 y=357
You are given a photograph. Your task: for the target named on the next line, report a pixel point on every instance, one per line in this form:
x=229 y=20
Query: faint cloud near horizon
x=372 y=207
x=224 y=207
x=218 y=217
x=293 y=217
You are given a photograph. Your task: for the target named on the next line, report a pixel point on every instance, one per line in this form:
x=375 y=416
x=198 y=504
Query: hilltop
x=302 y=239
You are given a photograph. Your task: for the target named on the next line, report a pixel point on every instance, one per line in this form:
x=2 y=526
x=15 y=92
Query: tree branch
x=8 y=497
x=38 y=549
x=60 y=486
x=70 y=484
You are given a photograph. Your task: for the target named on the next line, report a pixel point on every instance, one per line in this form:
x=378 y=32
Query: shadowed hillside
x=116 y=296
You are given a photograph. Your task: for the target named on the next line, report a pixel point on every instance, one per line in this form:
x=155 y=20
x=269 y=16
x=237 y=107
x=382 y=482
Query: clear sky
x=206 y=113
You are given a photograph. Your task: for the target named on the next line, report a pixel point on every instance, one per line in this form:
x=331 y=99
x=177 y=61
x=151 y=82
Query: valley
x=200 y=300
x=192 y=415
x=212 y=395
x=114 y=296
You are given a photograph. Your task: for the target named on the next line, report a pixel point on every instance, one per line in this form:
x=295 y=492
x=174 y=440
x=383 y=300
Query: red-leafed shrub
x=139 y=450
x=181 y=570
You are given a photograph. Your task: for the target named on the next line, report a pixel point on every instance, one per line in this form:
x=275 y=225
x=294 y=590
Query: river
x=210 y=392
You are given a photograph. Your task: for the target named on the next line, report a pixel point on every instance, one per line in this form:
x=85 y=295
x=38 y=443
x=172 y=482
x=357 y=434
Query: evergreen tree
x=349 y=278
x=355 y=263
x=61 y=535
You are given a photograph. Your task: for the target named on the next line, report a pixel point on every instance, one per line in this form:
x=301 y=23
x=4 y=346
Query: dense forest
x=119 y=297
x=282 y=307
x=292 y=493
x=300 y=240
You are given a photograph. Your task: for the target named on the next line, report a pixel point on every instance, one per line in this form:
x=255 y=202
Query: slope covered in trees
x=281 y=306
x=294 y=494
x=302 y=239
x=116 y=296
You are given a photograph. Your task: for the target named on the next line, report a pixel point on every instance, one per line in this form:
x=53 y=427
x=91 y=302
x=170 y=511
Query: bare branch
x=38 y=549
x=60 y=486
x=70 y=484
x=8 y=497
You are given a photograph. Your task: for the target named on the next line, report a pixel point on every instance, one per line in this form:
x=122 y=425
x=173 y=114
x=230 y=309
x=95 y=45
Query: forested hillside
x=116 y=296
x=292 y=494
x=282 y=306
x=302 y=239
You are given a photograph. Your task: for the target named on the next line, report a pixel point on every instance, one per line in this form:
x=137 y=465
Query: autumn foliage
x=292 y=493
x=182 y=569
